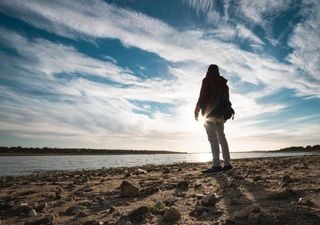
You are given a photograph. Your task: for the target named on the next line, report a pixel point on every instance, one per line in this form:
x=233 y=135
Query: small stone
x=44 y=220
x=52 y=195
x=260 y=219
x=111 y=209
x=58 y=196
x=93 y=222
x=151 y=189
x=282 y=194
x=74 y=210
x=87 y=188
x=197 y=185
x=209 y=200
x=183 y=185
x=244 y=213
x=286 y=178
x=60 y=203
x=32 y=213
x=140 y=171
x=40 y=207
x=128 y=223
x=21 y=210
x=139 y=214
x=83 y=214
x=204 y=214
x=257 y=178
x=306 y=202
x=106 y=202
x=166 y=170
x=6 y=205
x=128 y=189
x=171 y=215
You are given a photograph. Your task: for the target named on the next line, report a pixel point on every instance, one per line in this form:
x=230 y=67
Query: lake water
x=23 y=165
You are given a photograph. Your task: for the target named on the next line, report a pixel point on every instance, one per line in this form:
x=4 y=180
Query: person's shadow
x=246 y=198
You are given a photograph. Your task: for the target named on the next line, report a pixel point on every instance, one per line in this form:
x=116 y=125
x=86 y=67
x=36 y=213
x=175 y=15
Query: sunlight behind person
x=202 y=119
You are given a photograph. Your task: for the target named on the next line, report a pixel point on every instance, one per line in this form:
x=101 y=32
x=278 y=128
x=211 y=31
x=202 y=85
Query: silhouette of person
x=212 y=84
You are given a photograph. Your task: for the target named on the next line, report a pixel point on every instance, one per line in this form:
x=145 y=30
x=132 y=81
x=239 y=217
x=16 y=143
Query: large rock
x=209 y=200
x=139 y=214
x=171 y=215
x=128 y=189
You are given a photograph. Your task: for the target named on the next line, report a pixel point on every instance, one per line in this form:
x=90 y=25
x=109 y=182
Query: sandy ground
x=283 y=190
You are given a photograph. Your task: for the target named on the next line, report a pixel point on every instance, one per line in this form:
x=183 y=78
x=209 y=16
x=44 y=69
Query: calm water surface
x=22 y=165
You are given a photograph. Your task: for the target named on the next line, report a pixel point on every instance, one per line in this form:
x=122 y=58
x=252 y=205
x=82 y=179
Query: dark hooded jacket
x=211 y=85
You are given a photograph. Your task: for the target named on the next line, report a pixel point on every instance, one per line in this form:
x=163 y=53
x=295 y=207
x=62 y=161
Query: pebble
x=6 y=205
x=257 y=178
x=198 y=185
x=139 y=214
x=171 y=215
x=128 y=189
x=199 y=210
x=49 y=219
x=40 y=207
x=209 y=200
x=244 y=213
x=286 y=178
x=93 y=222
x=140 y=171
x=32 y=213
x=166 y=170
x=305 y=201
x=260 y=219
x=21 y=210
x=183 y=185
x=74 y=210
x=282 y=194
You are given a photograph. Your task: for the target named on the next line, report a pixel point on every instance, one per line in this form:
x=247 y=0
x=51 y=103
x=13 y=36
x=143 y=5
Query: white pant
x=216 y=136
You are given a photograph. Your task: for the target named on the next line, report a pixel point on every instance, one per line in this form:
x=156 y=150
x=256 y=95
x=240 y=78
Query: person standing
x=213 y=87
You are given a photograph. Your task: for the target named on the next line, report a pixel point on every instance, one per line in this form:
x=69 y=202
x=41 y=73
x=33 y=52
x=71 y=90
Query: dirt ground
x=282 y=190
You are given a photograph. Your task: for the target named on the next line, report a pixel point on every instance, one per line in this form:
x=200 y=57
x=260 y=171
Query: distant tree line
x=75 y=151
x=308 y=148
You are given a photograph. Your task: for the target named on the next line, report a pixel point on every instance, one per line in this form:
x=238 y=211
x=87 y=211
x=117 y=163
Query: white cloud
x=305 y=42
x=256 y=11
x=103 y=111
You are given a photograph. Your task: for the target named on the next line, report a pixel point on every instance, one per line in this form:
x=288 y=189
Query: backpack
x=222 y=106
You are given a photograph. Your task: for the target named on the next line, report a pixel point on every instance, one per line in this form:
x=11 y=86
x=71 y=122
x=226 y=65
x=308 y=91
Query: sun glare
x=202 y=119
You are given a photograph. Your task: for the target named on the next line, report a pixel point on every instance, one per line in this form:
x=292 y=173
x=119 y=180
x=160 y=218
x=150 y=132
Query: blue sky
x=126 y=74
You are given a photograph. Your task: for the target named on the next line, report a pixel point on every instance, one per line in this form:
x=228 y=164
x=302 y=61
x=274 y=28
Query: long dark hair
x=213 y=70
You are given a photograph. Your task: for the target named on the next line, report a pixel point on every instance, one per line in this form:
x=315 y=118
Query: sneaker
x=214 y=169
x=226 y=168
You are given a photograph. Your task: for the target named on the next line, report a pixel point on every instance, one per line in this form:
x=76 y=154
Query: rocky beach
x=282 y=190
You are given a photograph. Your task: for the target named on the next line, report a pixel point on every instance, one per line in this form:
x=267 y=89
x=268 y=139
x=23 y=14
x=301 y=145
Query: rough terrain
x=277 y=191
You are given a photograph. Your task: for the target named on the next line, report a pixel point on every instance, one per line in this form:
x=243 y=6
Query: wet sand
x=282 y=190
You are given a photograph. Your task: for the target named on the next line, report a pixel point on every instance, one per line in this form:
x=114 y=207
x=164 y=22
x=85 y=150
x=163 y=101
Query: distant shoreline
x=20 y=151
x=23 y=151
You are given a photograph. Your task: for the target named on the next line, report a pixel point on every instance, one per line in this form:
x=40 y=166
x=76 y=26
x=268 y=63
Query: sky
x=126 y=74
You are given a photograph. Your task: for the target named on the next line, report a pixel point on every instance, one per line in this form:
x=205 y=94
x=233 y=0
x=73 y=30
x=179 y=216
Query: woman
x=213 y=87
